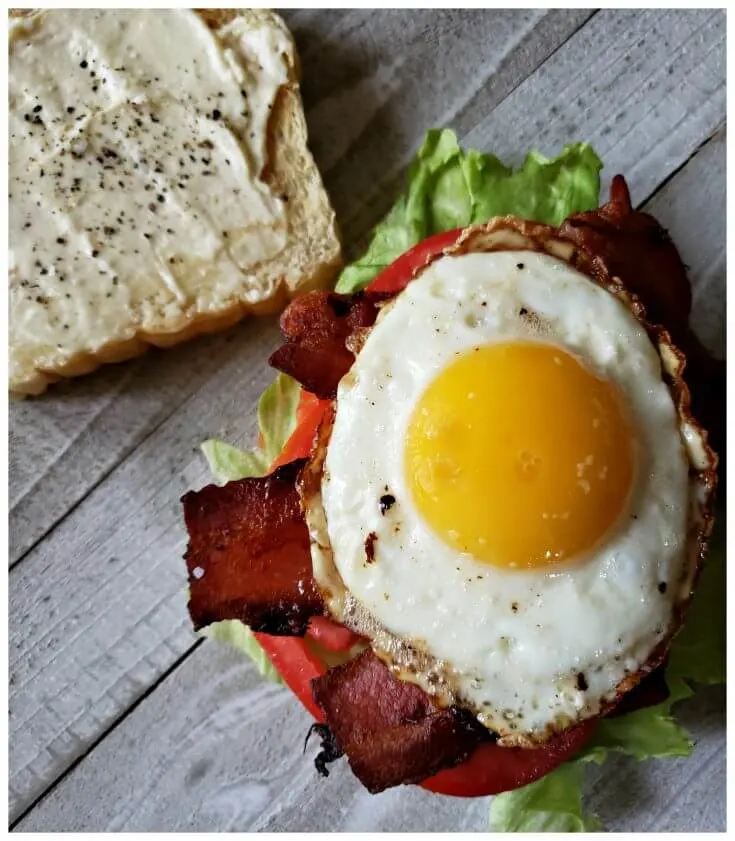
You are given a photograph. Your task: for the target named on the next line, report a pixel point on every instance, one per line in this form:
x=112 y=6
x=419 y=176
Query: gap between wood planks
x=103 y=735
x=57 y=519
x=713 y=135
x=180 y=660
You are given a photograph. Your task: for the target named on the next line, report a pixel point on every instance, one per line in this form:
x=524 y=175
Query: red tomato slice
x=490 y=769
x=396 y=277
x=296 y=664
x=308 y=416
x=331 y=635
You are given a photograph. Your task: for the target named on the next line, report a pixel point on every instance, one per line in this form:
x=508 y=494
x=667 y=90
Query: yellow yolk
x=519 y=455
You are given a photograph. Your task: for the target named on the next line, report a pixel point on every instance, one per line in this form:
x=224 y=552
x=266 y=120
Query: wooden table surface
x=120 y=719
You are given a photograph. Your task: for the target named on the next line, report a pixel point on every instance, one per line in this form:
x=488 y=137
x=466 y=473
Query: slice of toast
x=57 y=332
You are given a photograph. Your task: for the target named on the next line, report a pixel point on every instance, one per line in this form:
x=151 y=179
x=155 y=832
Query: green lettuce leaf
x=698 y=652
x=277 y=415
x=551 y=804
x=643 y=734
x=554 y=803
x=228 y=463
x=241 y=637
x=276 y=422
x=448 y=188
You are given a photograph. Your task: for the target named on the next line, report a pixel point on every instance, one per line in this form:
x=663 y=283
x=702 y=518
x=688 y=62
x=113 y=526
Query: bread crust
x=314 y=253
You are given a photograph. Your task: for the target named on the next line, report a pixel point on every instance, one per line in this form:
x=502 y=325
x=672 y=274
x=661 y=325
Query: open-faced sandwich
x=480 y=526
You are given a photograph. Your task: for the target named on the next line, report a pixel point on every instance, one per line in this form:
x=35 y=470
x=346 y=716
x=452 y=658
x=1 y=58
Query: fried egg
x=504 y=492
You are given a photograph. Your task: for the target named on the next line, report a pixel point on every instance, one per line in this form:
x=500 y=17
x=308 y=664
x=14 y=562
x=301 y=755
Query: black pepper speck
x=387 y=501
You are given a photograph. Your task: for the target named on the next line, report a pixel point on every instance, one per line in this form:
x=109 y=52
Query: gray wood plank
x=97 y=609
x=367 y=107
x=650 y=80
x=231 y=760
x=704 y=184
x=441 y=68
x=64 y=443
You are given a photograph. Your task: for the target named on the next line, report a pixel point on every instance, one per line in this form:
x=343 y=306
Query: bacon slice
x=318 y=327
x=391 y=731
x=248 y=556
x=640 y=252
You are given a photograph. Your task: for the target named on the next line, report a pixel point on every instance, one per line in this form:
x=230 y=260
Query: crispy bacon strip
x=390 y=730
x=640 y=252
x=248 y=556
x=317 y=327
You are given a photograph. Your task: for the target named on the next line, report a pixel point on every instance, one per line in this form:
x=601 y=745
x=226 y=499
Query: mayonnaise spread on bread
x=138 y=142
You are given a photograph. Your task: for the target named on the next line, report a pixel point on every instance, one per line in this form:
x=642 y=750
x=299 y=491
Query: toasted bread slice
x=48 y=341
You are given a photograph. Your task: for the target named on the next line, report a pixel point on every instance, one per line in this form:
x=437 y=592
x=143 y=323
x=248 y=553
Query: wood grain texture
x=367 y=109
x=97 y=608
x=231 y=759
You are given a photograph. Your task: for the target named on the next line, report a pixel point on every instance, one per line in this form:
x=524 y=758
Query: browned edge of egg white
x=396 y=653
x=508 y=233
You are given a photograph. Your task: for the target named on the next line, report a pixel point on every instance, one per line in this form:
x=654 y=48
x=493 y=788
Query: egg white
x=509 y=645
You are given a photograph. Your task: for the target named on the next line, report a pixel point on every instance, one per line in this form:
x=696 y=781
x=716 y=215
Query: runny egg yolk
x=519 y=455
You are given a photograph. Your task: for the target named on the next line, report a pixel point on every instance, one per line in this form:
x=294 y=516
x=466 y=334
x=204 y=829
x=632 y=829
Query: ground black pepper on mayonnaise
x=137 y=141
